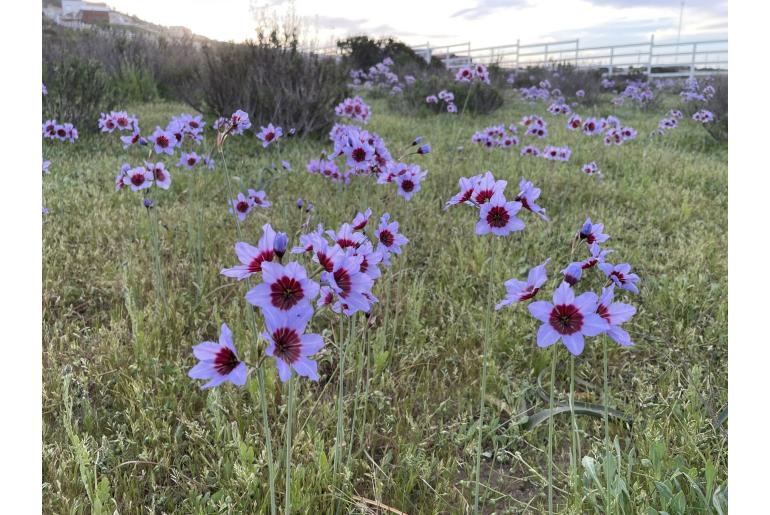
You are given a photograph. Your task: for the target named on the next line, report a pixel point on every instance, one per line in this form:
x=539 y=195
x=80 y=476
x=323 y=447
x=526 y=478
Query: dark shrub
x=566 y=78
x=78 y=91
x=717 y=104
x=363 y=52
x=481 y=99
x=271 y=81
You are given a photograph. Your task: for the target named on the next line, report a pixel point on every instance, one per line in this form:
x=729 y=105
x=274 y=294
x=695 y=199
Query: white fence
x=677 y=59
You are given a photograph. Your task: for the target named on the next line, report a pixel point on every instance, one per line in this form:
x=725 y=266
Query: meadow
x=125 y=429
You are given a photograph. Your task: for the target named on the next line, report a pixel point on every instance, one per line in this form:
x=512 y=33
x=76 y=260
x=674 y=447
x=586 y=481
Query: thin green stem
x=554 y=350
x=575 y=450
x=608 y=497
x=340 y=401
x=453 y=150
x=287 y=483
x=251 y=317
x=484 y=358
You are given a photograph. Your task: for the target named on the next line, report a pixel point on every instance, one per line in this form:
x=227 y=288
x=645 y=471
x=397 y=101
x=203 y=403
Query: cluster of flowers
x=607 y=83
x=535 y=126
x=670 y=122
x=571 y=318
x=349 y=264
x=558 y=108
x=354 y=108
x=380 y=76
x=533 y=93
x=553 y=153
x=143 y=177
x=478 y=73
x=59 y=131
x=692 y=92
x=366 y=154
x=117 y=120
x=497 y=136
x=242 y=205
x=444 y=96
x=636 y=91
x=703 y=116
x=496 y=214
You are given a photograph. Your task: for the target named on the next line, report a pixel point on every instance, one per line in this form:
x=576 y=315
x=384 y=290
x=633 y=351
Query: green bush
x=480 y=98
x=78 y=91
x=270 y=80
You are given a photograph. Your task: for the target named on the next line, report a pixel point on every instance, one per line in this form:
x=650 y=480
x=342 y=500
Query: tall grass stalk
x=488 y=306
x=575 y=450
x=608 y=450
x=289 y=415
x=554 y=349
x=251 y=317
x=160 y=286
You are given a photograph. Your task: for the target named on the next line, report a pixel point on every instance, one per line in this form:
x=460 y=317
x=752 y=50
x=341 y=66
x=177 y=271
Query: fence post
x=577 y=51
x=692 y=61
x=518 y=44
x=612 y=56
x=649 y=58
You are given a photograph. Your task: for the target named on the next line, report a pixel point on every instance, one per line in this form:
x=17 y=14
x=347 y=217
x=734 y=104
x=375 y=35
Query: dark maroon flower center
x=466 y=196
x=589 y=263
x=137 y=179
x=483 y=196
x=61 y=133
x=346 y=242
x=162 y=141
x=191 y=161
x=619 y=276
x=122 y=121
x=242 y=206
x=524 y=202
x=325 y=261
x=287 y=344
x=361 y=225
x=225 y=361
x=588 y=236
x=604 y=312
x=529 y=292
x=286 y=292
x=256 y=263
x=159 y=174
x=407 y=185
x=387 y=238
x=269 y=136
x=364 y=265
x=498 y=217
x=344 y=283
x=359 y=154
x=566 y=318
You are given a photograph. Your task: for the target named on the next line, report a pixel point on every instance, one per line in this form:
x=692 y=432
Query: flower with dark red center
x=568 y=319
x=287 y=343
x=218 y=362
x=592 y=233
x=241 y=206
x=621 y=275
x=352 y=285
x=486 y=188
x=259 y=198
x=269 y=135
x=346 y=237
x=597 y=256
x=615 y=313
x=573 y=273
x=163 y=142
x=498 y=217
x=361 y=219
x=138 y=178
x=519 y=291
x=467 y=188
x=252 y=258
x=283 y=288
x=389 y=240
x=528 y=194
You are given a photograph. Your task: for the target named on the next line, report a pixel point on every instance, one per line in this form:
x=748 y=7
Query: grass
x=125 y=429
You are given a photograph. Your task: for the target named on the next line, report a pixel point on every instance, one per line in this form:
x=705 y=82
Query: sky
x=481 y=22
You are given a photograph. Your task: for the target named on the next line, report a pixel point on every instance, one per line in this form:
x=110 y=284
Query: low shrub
x=717 y=104
x=78 y=91
x=480 y=98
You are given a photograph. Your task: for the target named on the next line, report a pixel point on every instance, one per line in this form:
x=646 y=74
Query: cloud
x=486 y=7
x=718 y=7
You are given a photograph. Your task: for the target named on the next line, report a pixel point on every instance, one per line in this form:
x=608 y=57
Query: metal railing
x=676 y=59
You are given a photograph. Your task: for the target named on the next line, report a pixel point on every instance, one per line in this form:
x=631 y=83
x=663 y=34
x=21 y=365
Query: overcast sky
x=482 y=22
